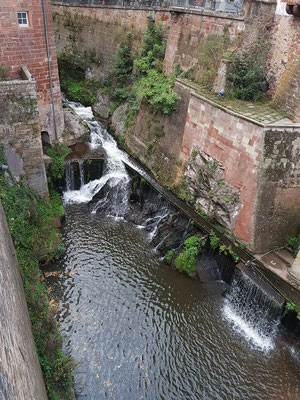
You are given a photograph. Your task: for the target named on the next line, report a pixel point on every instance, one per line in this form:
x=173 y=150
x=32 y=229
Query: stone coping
x=14 y=82
x=209 y=13
x=196 y=92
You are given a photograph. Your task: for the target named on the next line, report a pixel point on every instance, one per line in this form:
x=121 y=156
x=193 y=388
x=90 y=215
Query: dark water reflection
x=143 y=331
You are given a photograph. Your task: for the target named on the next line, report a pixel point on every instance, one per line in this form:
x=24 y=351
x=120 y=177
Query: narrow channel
x=141 y=330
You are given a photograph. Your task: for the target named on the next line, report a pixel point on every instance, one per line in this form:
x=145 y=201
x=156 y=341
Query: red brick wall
x=234 y=142
x=27 y=45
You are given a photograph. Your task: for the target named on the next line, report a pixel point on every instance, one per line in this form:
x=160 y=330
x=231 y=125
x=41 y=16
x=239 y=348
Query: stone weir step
x=282 y=287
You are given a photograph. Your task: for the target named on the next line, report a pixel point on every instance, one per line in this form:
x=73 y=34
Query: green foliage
x=169 y=256
x=211 y=51
x=58 y=153
x=123 y=63
x=153 y=49
x=157 y=90
x=247 y=72
x=213 y=165
x=199 y=210
x=4 y=72
x=30 y=222
x=85 y=92
x=290 y=306
x=213 y=240
x=187 y=259
x=194 y=154
x=72 y=78
x=294 y=243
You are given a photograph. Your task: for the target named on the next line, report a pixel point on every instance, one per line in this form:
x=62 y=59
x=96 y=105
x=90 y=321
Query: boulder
x=75 y=130
x=102 y=106
x=118 y=119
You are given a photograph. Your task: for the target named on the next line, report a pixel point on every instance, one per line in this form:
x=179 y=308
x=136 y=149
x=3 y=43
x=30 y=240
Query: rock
x=119 y=118
x=102 y=106
x=221 y=201
x=75 y=130
x=47 y=160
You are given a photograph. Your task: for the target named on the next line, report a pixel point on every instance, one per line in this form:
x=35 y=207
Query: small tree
x=247 y=73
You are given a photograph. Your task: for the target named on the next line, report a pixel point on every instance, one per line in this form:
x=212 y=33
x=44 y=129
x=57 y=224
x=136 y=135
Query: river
x=141 y=330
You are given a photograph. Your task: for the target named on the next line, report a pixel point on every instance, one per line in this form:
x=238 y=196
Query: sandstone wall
x=27 y=45
x=99 y=31
x=20 y=373
x=234 y=142
x=156 y=139
x=278 y=211
x=20 y=133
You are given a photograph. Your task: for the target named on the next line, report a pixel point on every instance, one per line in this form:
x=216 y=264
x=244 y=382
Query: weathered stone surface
x=102 y=106
x=294 y=271
x=20 y=133
x=75 y=129
x=118 y=119
x=204 y=176
x=20 y=373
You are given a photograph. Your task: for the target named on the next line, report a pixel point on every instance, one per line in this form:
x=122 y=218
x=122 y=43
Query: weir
x=252 y=304
x=123 y=309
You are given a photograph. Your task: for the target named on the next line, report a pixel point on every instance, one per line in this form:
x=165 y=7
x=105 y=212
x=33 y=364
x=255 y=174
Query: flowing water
x=140 y=330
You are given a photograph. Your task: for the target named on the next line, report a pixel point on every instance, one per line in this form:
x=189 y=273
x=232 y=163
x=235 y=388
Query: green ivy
x=169 y=256
x=187 y=259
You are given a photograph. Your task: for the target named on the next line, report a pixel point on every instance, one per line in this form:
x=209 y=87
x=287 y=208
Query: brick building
x=26 y=37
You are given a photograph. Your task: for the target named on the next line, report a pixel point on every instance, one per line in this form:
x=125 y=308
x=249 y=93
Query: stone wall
x=87 y=31
x=20 y=133
x=234 y=142
x=278 y=211
x=156 y=139
x=27 y=45
x=20 y=372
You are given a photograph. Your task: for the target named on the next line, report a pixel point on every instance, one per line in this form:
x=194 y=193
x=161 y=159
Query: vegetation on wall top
x=247 y=72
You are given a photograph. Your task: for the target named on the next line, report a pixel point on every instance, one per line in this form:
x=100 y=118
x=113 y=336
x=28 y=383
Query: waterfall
x=114 y=183
x=253 y=308
x=81 y=172
x=69 y=176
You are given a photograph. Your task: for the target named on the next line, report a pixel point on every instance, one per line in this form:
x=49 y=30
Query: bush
x=157 y=90
x=186 y=260
x=58 y=153
x=247 y=73
x=294 y=243
x=123 y=63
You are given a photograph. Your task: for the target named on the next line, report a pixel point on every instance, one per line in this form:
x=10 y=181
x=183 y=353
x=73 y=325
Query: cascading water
x=248 y=307
x=253 y=308
x=69 y=176
x=115 y=176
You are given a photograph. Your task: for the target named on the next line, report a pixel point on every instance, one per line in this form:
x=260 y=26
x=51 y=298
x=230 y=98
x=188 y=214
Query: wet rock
x=207 y=268
x=118 y=119
x=221 y=201
x=102 y=106
x=75 y=129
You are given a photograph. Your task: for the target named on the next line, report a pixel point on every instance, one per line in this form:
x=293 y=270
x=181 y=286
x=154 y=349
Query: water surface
x=143 y=331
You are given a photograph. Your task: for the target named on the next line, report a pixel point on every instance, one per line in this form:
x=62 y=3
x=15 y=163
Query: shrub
x=247 y=73
x=123 y=62
x=157 y=90
x=294 y=243
x=58 y=153
x=214 y=240
x=169 y=256
x=186 y=260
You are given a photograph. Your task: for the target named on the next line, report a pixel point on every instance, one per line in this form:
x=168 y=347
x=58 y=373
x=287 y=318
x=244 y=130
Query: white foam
x=260 y=341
